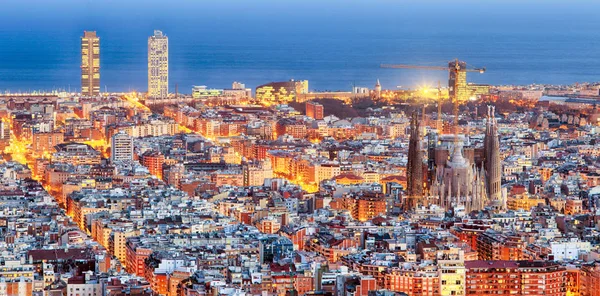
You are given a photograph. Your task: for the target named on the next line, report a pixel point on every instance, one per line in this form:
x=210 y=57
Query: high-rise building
x=121 y=147
x=90 y=64
x=158 y=65
x=457 y=81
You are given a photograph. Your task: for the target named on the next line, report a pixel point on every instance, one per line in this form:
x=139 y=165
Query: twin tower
x=456 y=173
x=158 y=65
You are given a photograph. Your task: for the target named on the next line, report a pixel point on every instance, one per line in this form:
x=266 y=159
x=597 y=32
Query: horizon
x=264 y=181
x=215 y=44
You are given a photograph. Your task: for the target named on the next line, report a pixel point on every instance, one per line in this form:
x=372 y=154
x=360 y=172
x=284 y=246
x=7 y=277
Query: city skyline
x=300 y=148
x=240 y=49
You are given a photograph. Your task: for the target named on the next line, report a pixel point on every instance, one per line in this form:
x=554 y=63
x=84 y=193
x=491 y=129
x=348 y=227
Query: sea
x=334 y=44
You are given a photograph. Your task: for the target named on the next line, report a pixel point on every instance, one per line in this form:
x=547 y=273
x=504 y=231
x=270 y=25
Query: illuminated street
x=309 y=148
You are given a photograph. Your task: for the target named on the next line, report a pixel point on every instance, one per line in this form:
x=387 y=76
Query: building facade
x=515 y=277
x=158 y=65
x=121 y=147
x=314 y=110
x=281 y=92
x=45 y=142
x=154 y=161
x=90 y=64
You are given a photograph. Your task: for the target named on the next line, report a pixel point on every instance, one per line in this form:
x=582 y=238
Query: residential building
x=121 y=147
x=314 y=110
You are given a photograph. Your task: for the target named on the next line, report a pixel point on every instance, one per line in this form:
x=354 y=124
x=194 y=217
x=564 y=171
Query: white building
x=255 y=174
x=452 y=272
x=154 y=128
x=121 y=146
x=84 y=286
x=326 y=171
x=158 y=65
x=569 y=250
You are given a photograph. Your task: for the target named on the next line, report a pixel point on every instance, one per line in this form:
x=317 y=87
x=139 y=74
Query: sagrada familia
x=456 y=173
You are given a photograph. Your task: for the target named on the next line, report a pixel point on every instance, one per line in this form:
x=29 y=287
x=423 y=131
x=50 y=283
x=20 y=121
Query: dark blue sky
x=333 y=43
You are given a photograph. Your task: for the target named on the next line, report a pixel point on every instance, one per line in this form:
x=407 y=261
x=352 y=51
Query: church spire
x=414 y=167
x=493 y=164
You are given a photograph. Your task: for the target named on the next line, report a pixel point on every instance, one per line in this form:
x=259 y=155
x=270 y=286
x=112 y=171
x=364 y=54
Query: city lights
x=184 y=181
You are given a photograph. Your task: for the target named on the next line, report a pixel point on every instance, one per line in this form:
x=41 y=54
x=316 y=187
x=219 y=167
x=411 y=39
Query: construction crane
x=440 y=68
x=457 y=81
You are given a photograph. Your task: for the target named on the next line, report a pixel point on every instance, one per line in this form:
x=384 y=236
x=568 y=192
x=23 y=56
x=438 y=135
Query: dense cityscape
x=454 y=189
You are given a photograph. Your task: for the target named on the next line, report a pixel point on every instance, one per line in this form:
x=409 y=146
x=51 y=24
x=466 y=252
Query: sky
x=333 y=33
x=292 y=12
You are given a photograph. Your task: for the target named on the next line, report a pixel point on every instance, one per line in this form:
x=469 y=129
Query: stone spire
x=414 y=167
x=486 y=140
x=493 y=166
x=378 y=89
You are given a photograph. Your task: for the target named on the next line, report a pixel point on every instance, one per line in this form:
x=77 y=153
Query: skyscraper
x=90 y=64
x=158 y=65
x=121 y=147
x=414 y=167
x=457 y=81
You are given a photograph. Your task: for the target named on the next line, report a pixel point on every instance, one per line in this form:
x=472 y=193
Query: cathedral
x=457 y=181
x=459 y=175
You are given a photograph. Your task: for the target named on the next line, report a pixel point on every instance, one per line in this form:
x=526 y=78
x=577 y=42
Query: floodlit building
x=281 y=92
x=158 y=65
x=90 y=64
x=314 y=110
x=45 y=142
